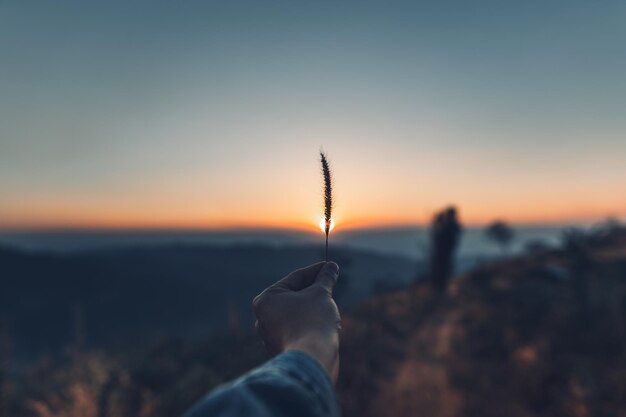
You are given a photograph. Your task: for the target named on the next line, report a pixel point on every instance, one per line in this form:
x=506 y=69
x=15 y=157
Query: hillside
x=119 y=297
x=541 y=335
x=538 y=335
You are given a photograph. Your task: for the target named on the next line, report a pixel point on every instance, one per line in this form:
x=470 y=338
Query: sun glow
x=323 y=225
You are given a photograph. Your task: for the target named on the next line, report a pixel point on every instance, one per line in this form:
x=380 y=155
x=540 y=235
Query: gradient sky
x=211 y=114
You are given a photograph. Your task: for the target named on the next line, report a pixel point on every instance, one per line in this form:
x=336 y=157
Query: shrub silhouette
x=444 y=236
x=500 y=233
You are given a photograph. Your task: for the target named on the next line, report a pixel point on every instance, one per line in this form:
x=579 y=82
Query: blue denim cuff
x=303 y=368
x=291 y=384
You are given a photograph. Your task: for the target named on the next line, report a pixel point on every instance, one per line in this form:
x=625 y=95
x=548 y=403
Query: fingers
x=300 y=278
x=327 y=276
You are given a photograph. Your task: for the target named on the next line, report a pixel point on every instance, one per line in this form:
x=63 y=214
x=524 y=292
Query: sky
x=198 y=114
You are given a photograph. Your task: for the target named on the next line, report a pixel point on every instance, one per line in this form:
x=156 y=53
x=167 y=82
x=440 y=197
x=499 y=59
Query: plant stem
x=326 y=256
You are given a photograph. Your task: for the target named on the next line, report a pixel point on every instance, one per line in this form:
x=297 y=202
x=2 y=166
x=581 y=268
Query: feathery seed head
x=328 y=191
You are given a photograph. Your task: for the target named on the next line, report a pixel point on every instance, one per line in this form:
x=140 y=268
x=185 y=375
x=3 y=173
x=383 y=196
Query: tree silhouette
x=444 y=235
x=500 y=233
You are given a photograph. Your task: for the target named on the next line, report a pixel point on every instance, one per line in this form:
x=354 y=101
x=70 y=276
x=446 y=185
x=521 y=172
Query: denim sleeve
x=293 y=384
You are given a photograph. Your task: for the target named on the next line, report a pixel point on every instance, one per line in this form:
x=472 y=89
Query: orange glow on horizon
x=294 y=206
x=113 y=222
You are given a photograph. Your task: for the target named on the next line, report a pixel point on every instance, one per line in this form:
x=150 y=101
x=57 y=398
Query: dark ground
x=535 y=335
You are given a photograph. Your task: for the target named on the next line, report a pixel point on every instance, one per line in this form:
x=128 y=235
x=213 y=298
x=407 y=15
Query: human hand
x=298 y=312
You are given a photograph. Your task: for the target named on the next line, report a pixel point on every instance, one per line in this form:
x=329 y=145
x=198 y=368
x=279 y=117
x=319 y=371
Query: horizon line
x=279 y=229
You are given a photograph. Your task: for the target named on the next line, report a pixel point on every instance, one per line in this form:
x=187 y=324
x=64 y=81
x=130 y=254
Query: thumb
x=327 y=277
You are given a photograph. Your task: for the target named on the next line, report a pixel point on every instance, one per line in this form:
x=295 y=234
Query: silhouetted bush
x=500 y=233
